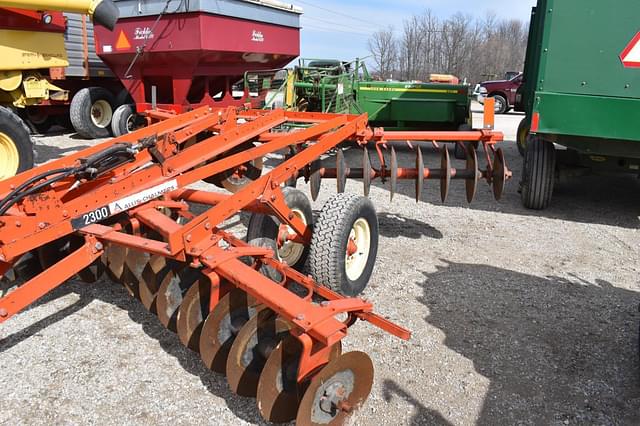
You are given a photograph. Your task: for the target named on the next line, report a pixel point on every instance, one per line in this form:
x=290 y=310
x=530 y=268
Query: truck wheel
x=264 y=226
x=91 y=111
x=344 y=245
x=539 y=173
x=522 y=135
x=502 y=106
x=460 y=152
x=124 y=120
x=16 y=145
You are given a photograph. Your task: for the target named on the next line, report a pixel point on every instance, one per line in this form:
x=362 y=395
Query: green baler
x=581 y=93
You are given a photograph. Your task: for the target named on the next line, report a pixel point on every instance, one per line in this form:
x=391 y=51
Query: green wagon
x=581 y=94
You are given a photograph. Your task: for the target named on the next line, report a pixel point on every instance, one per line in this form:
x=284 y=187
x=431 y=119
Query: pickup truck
x=503 y=91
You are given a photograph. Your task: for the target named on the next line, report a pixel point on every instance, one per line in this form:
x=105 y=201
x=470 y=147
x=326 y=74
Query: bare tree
x=382 y=46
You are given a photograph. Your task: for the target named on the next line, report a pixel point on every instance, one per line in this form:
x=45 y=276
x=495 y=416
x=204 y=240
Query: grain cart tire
x=91 y=112
x=539 y=173
x=16 y=145
x=460 y=152
x=346 y=223
x=264 y=226
x=522 y=135
x=124 y=120
x=502 y=106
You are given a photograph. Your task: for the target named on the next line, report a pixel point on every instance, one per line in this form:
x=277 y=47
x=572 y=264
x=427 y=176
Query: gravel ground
x=518 y=317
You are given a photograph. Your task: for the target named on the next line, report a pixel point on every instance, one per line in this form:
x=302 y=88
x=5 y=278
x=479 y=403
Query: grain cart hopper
x=581 y=93
x=182 y=55
x=243 y=305
x=327 y=85
x=30 y=41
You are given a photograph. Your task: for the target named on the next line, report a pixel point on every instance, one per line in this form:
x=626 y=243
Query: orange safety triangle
x=123 y=42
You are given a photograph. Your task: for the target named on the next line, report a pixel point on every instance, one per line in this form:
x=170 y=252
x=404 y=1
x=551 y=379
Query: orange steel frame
x=47 y=216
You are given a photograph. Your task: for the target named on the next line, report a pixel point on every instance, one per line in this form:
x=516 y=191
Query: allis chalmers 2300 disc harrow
x=123 y=207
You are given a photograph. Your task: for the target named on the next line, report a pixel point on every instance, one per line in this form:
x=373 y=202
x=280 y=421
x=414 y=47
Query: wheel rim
x=101 y=113
x=9 y=157
x=291 y=252
x=131 y=123
x=498 y=106
x=358 y=248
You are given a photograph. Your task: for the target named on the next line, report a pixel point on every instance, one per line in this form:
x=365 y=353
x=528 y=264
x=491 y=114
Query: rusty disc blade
x=134 y=264
x=251 y=349
x=116 y=256
x=419 y=174
x=171 y=294
x=499 y=174
x=393 y=179
x=338 y=389
x=152 y=276
x=193 y=310
x=472 y=183
x=222 y=325
x=341 y=171
x=445 y=179
x=279 y=393
x=315 y=180
x=366 y=171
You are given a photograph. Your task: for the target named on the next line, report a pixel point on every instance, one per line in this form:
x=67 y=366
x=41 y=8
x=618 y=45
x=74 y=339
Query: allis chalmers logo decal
x=143 y=34
x=257 y=36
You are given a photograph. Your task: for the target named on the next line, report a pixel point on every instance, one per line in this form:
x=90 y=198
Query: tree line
x=474 y=49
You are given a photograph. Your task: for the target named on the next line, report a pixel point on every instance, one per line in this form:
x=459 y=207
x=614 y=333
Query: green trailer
x=581 y=93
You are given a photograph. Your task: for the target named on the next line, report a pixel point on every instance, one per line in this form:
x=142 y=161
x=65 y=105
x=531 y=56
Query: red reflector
x=535 y=122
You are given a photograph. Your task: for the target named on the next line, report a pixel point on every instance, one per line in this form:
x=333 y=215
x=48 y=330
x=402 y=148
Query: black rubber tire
x=265 y=270
x=80 y=112
x=329 y=243
x=264 y=226
x=522 y=136
x=16 y=130
x=120 y=120
x=459 y=151
x=123 y=97
x=502 y=106
x=539 y=173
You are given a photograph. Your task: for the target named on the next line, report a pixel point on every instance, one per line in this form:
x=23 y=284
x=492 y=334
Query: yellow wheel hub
x=9 y=157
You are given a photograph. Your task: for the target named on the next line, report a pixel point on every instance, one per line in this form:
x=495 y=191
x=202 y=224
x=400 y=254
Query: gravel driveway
x=518 y=317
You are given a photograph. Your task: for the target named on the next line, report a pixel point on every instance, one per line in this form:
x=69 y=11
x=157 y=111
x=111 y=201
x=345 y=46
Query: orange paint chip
x=123 y=42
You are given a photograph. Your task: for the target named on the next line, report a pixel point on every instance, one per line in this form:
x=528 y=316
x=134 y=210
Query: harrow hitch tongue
x=123 y=208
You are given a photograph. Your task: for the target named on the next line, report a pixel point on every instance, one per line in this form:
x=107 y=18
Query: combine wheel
x=263 y=226
x=16 y=145
x=341 y=387
x=522 y=135
x=172 y=293
x=250 y=350
x=91 y=112
x=344 y=244
x=279 y=392
x=125 y=120
x=222 y=325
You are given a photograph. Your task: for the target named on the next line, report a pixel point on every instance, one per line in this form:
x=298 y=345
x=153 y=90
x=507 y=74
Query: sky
x=340 y=29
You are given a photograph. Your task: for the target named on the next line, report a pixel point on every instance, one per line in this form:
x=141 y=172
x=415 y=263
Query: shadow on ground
x=556 y=351
x=116 y=295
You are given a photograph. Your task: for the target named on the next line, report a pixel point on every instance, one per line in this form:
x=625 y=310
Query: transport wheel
x=460 y=151
x=279 y=392
x=522 y=136
x=222 y=326
x=124 y=121
x=16 y=145
x=344 y=244
x=91 y=112
x=539 y=173
x=264 y=226
x=339 y=389
x=502 y=106
x=250 y=350
x=234 y=180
